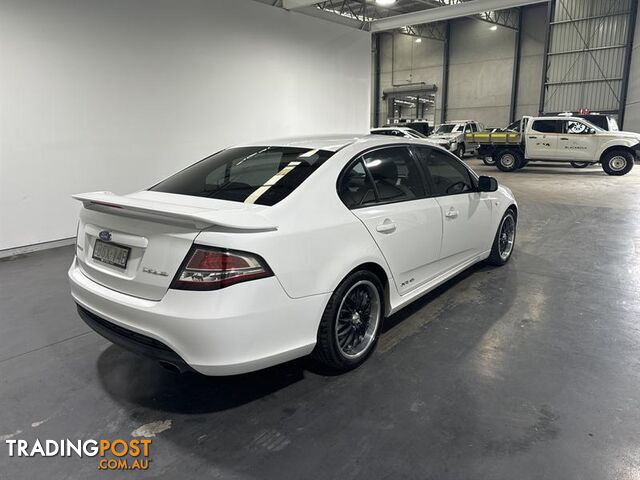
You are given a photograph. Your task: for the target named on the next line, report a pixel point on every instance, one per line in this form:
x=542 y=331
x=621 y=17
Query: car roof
x=334 y=143
x=331 y=143
x=560 y=117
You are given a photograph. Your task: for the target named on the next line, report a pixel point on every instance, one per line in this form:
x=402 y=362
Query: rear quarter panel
x=318 y=241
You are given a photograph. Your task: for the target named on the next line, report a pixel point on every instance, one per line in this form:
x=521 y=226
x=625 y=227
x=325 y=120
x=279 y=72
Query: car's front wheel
x=488 y=161
x=460 y=151
x=617 y=162
x=351 y=322
x=504 y=240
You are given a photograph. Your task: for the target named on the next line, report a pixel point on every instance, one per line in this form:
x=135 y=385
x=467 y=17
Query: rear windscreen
x=260 y=175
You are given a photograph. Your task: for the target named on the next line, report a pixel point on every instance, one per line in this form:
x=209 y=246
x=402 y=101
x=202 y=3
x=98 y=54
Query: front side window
x=260 y=175
x=578 y=128
x=448 y=175
x=547 y=126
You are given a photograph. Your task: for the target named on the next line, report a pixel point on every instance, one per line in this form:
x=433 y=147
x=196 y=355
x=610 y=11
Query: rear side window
x=385 y=175
x=260 y=175
x=394 y=174
x=547 y=126
x=356 y=188
x=448 y=175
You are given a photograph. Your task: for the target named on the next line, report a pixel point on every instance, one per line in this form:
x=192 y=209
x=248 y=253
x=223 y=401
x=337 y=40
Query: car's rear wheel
x=580 y=164
x=504 y=240
x=508 y=160
x=617 y=162
x=351 y=322
x=488 y=161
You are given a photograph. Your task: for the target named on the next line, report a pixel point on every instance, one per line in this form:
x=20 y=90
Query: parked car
x=263 y=253
x=560 y=139
x=405 y=132
x=421 y=126
x=451 y=136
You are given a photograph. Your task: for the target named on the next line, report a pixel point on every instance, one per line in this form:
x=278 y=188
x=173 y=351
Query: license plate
x=111 y=254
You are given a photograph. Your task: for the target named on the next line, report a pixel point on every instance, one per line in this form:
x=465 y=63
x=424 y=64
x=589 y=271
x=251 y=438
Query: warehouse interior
x=524 y=371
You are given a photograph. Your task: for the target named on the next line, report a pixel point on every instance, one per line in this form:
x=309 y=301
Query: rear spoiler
x=199 y=217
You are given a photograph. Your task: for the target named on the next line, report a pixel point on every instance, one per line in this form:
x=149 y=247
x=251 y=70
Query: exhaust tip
x=170 y=366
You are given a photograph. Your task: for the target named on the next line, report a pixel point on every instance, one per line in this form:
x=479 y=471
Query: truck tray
x=496 y=138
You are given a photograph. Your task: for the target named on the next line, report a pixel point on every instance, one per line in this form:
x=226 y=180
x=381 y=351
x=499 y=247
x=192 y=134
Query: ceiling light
x=385 y=2
x=493 y=28
x=418 y=40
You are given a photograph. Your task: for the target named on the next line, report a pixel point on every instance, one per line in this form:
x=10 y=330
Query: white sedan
x=263 y=253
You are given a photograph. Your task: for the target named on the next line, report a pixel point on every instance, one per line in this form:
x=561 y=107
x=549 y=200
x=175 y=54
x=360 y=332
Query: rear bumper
x=134 y=342
x=241 y=328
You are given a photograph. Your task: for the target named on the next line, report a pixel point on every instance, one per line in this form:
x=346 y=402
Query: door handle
x=452 y=213
x=532 y=136
x=386 y=227
x=564 y=138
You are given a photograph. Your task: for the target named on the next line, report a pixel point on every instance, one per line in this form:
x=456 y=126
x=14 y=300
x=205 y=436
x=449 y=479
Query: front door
x=466 y=212
x=578 y=141
x=385 y=190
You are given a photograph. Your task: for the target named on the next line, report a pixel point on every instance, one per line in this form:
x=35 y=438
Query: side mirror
x=487 y=184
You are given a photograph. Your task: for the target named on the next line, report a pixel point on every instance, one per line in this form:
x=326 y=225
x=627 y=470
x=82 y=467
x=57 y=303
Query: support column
x=516 y=69
x=445 y=72
x=545 y=61
x=627 y=63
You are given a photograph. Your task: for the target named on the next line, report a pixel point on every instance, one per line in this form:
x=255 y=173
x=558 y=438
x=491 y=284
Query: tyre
x=508 y=160
x=488 y=161
x=617 y=162
x=504 y=240
x=580 y=164
x=460 y=151
x=351 y=322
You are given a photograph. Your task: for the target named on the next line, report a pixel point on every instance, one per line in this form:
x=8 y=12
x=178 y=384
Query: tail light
x=207 y=268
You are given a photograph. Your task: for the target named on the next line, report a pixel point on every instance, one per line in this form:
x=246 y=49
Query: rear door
x=542 y=139
x=466 y=212
x=385 y=190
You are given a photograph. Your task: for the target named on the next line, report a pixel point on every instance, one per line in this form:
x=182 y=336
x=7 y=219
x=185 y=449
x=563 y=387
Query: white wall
x=116 y=94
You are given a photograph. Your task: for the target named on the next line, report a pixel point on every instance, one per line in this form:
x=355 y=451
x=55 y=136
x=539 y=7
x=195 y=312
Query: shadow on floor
x=128 y=377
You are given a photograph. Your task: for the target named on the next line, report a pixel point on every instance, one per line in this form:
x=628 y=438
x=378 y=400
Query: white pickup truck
x=559 y=139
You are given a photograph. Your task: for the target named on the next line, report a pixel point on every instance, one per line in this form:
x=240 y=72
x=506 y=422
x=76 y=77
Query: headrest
x=383 y=169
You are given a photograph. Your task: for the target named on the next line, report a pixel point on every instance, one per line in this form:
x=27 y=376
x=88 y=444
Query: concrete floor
x=528 y=371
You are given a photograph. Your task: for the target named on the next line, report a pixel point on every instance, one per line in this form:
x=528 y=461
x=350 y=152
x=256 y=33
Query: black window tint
x=547 y=126
x=356 y=188
x=237 y=174
x=395 y=175
x=448 y=175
